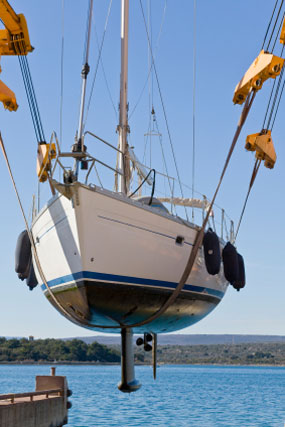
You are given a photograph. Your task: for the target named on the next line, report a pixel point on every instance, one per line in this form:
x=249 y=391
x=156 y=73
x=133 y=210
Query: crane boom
x=14 y=40
x=9 y=17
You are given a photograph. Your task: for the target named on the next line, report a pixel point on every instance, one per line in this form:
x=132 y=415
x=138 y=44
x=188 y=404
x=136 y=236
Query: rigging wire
x=150 y=82
x=163 y=155
x=146 y=141
x=164 y=111
x=106 y=80
x=150 y=69
x=61 y=74
x=194 y=102
x=79 y=146
x=97 y=63
x=87 y=38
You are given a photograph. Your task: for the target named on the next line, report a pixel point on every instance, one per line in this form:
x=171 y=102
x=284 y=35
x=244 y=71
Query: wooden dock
x=47 y=406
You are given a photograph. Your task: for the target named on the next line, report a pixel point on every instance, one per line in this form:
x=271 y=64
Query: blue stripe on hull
x=130 y=280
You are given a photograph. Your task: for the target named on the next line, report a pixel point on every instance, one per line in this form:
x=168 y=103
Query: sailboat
x=117 y=260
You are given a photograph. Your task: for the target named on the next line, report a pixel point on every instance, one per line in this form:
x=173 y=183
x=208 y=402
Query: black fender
x=31 y=279
x=240 y=282
x=212 y=252
x=23 y=255
x=231 y=263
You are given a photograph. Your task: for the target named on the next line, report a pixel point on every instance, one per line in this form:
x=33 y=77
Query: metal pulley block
x=266 y=65
x=263 y=146
x=46 y=152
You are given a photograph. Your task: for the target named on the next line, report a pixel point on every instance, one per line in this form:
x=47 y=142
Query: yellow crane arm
x=7 y=97
x=14 y=40
x=9 y=17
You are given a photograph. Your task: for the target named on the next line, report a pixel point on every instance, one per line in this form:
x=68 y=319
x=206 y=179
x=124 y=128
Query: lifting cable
x=31 y=96
x=282 y=71
x=273 y=111
x=268 y=105
x=269 y=25
x=274 y=26
x=277 y=108
x=280 y=78
x=30 y=91
x=258 y=162
x=278 y=32
x=275 y=99
x=253 y=176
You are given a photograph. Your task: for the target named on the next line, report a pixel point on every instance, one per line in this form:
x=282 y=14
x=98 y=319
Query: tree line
x=50 y=350
x=75 y=350
x=221 y=354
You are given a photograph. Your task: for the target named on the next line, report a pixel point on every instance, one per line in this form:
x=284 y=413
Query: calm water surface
x=181 y=396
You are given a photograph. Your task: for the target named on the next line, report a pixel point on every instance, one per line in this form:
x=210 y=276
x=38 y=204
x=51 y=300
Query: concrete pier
x=45 y=407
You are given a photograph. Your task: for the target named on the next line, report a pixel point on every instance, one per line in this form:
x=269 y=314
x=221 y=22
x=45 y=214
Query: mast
x=123 y=127
x=79 y=146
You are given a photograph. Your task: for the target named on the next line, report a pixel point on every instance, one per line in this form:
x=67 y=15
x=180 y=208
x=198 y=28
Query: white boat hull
x=111 y=261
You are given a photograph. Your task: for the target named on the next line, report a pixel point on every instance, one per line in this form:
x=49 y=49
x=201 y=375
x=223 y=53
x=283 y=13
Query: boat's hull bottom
x=94 y=304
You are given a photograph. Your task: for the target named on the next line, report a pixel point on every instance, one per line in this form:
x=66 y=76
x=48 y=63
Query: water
x=198 y=396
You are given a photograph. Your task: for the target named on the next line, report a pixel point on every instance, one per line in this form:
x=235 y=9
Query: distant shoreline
x=140 y=364
x=75 y=352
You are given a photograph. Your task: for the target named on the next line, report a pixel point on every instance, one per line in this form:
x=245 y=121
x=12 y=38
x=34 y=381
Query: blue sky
x=229 y=37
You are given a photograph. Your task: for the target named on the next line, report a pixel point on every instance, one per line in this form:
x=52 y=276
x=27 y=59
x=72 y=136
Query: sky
x=229 y=37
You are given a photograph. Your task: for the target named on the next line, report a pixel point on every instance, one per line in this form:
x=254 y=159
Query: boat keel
x=128 y=382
